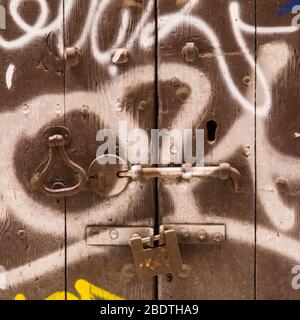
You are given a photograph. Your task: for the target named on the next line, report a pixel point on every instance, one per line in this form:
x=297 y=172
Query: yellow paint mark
x=86 y=291
x=89 y=292
x=62 y=296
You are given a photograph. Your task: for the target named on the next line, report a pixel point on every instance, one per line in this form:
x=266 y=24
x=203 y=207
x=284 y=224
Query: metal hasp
x=156 y=255
x=224 y=172
x=151 y=260
x=57 y=138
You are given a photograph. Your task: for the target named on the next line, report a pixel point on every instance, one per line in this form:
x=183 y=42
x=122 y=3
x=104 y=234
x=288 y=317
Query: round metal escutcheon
x=103 y=175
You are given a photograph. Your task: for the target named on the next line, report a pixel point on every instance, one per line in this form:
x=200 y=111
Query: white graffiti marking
x=144 y=36
x=55 y=261
x=9 y=76
x=3 y=282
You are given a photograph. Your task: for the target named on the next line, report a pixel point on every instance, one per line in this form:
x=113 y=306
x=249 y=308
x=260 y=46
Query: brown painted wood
x=32 y=98
x=97 y=94
x=97 y=99
x=278 y=158
x=211 y=271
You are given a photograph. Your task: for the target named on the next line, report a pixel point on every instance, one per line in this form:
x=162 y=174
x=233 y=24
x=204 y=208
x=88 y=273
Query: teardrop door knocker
x=57 y=138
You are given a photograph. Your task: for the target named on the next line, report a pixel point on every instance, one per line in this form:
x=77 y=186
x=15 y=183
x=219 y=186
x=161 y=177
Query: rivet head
x=246 y=151
x=218 y=237
x=114 y=234
x=185 y=235
x=85 y=110
x=22 y=234
x=142 y=105
x=282 y=184
x=72 y=56
x=26 y=109
x=120 y=56
x=190 y=52
x=175 y=82
x=282 y=181
x=247 y=80
x=183 y=93
x=202 y=235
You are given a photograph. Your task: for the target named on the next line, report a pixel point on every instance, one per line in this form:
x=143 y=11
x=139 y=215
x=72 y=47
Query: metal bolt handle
x=224 y=172
x=56 y=139
x=109 y=175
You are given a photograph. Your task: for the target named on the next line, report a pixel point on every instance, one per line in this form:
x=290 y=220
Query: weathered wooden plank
x=217 y=86
x=32 y=98
x=100 y=94
x=277 y=154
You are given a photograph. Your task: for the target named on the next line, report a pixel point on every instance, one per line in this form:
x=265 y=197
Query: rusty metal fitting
x=56 y=140
x=190 y=52
x=72 y=56
x=120 y=56
x=226 y=171
x=282 y=184
x=218 y=237
x=202 y=235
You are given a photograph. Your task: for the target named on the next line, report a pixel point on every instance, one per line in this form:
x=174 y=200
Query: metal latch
x=115 y=236
x=151 y=260
x=156 y=255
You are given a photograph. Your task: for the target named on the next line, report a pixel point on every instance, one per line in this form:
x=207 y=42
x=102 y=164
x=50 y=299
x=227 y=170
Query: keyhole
x=212 y=127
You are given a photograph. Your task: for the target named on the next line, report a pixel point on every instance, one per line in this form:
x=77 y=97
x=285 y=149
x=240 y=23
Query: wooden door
x=227 y=67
